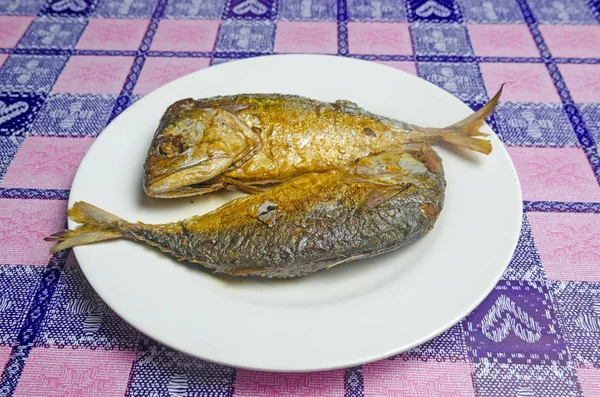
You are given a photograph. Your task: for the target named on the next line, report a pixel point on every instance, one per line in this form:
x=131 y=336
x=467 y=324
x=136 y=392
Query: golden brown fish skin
x=301 y=135
x=264 y=138
x=306 y=224
x=295 y=135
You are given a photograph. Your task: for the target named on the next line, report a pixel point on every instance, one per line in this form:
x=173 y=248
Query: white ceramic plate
x=352 y=314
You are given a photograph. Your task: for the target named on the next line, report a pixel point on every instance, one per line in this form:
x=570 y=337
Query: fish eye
x=161 y=151
x=164 y=149
x=170 y=149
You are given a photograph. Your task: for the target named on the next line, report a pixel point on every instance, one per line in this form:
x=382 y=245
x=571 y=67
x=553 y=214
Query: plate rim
x=348 y=364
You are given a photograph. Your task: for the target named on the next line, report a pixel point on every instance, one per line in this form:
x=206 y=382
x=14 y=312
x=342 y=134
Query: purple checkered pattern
x=68 y=67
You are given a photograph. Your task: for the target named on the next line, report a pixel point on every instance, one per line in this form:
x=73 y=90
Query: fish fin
x=480 y=115
x=352 y=258
x=82 y=212
x=234 y=184
x=383 y=179
x=478 y=145
x=380 y=195
x=79 y=236
x=97 y=225
x=464 y=133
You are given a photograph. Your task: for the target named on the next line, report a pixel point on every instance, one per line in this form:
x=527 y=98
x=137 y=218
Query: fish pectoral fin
x=380 y=179
x=234 y=184
x=352 y=258
x=380 y=195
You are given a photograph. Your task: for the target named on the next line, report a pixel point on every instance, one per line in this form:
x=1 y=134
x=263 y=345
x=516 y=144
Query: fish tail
x=96 y=225
x=465 y=132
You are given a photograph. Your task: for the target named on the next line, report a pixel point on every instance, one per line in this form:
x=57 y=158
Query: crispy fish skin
x=242 y=141
x=312 y=222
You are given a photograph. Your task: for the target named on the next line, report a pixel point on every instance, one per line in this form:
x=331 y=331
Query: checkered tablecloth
x=68 y=67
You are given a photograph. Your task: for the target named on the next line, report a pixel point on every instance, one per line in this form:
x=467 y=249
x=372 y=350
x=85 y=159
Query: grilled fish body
x=306 y=224
x=243 y=141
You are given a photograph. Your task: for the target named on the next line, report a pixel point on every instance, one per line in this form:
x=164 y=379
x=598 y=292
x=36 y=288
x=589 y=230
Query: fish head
x=192 y=147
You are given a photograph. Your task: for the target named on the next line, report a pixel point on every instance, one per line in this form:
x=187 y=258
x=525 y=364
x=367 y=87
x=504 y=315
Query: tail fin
x=464 y=132
x=96 y=225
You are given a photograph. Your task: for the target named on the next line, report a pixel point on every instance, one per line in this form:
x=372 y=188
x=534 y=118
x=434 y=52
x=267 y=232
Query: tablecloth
x=68 y=67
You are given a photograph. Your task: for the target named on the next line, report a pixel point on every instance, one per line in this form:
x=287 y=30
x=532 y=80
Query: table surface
x=68 y=67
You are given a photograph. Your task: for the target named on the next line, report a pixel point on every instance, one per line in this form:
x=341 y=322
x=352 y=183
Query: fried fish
x=244 y=141
x=308 y=223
